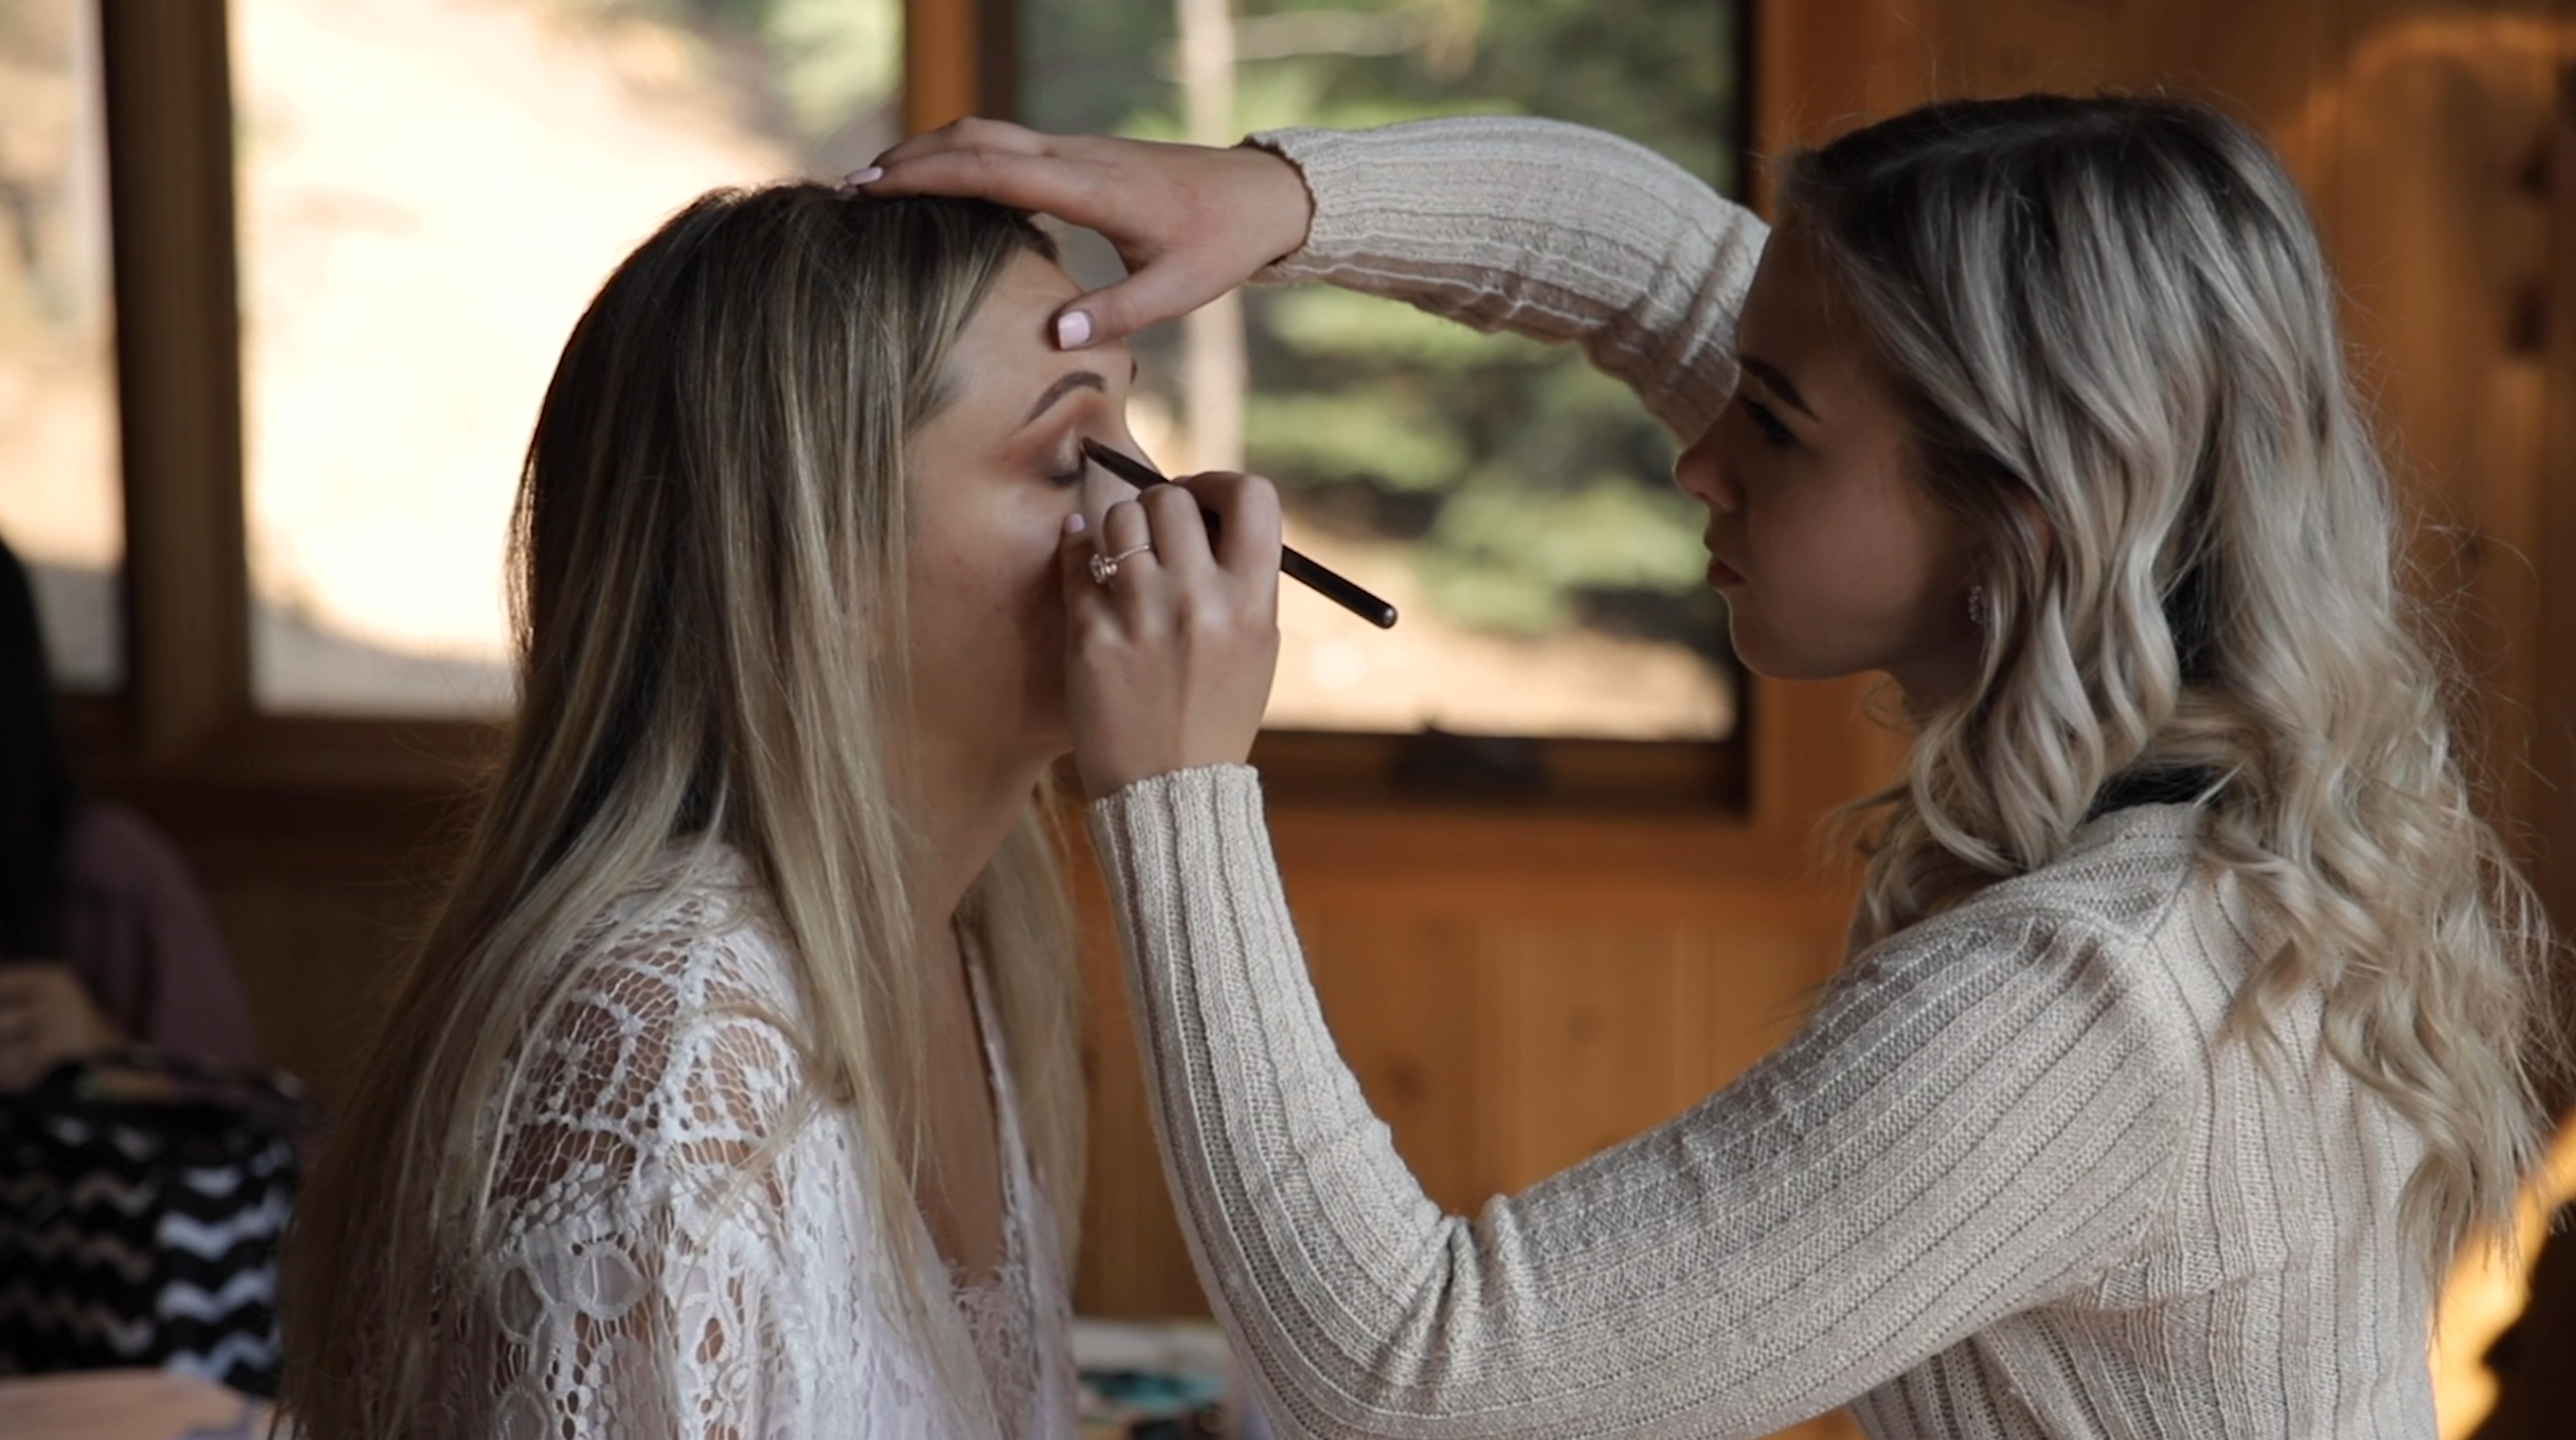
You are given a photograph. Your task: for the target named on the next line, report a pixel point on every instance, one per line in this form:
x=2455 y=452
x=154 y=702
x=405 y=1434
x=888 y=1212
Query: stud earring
x=1977 y=612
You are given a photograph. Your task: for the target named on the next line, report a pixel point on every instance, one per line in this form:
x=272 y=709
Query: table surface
x=127 y=1405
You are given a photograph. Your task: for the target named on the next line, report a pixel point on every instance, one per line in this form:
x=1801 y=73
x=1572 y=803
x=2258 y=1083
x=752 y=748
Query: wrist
x=1194 y=773
x=1286 y=205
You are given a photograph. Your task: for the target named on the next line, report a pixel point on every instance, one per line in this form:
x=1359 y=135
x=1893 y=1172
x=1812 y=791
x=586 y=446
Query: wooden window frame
x=186 y=735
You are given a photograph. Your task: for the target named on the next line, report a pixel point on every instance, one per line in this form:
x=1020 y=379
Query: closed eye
x=1774 y=434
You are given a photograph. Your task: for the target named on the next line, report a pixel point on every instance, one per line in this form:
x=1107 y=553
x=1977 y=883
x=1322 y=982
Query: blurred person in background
x=105 y=940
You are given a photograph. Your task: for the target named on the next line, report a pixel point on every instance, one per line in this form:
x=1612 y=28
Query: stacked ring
x=1104 y=568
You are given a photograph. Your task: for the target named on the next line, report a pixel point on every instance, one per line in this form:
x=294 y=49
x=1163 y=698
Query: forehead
x=1796 y=319
x=1787 y=302
x=1006 y=353
x=1017 y=311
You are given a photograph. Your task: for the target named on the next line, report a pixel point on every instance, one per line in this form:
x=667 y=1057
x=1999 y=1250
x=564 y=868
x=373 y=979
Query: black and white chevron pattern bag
x=142 y=1199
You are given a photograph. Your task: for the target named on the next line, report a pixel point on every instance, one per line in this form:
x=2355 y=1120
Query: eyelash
x=1068 y=478
x=1774 y=434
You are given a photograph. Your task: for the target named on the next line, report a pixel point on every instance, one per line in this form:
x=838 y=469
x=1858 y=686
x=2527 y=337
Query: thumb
x=1082 y=595
x=1160 y=291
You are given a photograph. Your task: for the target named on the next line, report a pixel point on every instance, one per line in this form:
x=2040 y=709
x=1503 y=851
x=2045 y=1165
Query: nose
x=1701 y=472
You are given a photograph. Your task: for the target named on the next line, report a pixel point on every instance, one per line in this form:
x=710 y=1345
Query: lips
x=1721 y=575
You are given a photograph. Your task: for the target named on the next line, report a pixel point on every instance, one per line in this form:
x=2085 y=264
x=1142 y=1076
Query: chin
x=1763 y=655
x=1755 y=652
x=1051 y=744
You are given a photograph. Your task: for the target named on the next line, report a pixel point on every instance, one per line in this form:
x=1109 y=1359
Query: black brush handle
x=1334 y=587
x=1321 y=579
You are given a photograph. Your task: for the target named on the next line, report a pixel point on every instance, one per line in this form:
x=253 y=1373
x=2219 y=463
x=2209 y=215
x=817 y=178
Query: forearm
x=1318 y=1243
x=1979 y=1125
x=1364 y=1310
x=1543 y=229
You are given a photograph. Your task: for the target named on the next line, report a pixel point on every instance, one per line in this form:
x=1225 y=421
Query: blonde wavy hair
x=2114 y=330
x=710 y=569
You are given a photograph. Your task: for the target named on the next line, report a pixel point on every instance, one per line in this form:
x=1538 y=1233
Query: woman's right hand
x=1169 y=654
x=1191 y=222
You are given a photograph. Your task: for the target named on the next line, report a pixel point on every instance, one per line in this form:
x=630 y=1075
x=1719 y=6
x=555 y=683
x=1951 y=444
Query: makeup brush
x=1291 y=564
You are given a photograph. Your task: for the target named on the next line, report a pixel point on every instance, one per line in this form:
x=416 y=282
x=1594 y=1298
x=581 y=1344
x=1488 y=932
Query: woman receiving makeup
x=2192 y=1018
x=734 y=1092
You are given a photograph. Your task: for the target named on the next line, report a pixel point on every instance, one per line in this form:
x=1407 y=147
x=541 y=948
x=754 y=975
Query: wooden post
x=1214 y=369
x=170 y=188
x=960 y=57
x=2554 y=751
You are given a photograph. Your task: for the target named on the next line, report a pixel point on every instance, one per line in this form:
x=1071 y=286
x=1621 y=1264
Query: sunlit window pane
x=430 y=191
x=60 y=507
x=1515 y=505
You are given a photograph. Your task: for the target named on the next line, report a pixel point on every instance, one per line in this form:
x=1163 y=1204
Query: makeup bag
x=142 y=1199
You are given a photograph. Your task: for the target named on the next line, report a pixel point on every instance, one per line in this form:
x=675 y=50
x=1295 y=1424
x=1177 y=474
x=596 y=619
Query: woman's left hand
x=1170 y=656
x=46 y=1017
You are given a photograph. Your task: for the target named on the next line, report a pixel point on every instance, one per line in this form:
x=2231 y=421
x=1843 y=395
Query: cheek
x=1853 y=576
x=985 y=602
x=1009 y=604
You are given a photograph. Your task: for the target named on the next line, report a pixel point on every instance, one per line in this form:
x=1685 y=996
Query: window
x=403 y=288
x=60 y=507
x=429 y=193
x=1514 y=504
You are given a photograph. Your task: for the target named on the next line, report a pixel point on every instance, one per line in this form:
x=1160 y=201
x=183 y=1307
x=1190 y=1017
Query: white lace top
x=653 y=1276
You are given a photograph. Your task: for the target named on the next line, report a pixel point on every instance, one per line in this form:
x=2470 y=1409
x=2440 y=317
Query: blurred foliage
x=821 y=66
x=48 y=281
x=1537 y=491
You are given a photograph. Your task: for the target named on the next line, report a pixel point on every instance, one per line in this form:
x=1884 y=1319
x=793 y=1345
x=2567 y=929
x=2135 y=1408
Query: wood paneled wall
x=2436 y=141
x=1516 y=991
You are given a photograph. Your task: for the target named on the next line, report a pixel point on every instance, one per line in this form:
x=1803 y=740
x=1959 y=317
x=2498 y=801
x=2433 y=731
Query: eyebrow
x=1777 y=383
x=1064 y=385
x=1067 y=383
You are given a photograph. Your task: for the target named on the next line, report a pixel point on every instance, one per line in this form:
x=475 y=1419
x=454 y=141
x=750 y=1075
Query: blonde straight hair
x=710 y=567
x=2115 y=330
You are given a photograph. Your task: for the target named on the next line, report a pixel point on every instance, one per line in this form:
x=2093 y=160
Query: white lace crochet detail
x=682 y=1243
x=1003 y=1311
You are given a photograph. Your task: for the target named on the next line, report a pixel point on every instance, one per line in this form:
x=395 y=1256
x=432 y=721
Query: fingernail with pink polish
x=1074 y=524
x=851 y=182
x=1072 y=330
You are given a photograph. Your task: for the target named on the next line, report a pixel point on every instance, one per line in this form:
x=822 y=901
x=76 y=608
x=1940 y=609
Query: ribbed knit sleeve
x=1543 y=229
x=1982 y=1117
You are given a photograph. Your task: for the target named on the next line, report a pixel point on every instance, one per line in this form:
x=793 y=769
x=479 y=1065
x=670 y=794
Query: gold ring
x=1104 y=568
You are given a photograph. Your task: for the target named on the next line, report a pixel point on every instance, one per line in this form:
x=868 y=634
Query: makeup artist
x=2192 y=1015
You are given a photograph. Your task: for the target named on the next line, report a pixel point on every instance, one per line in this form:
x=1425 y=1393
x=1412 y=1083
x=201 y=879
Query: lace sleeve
x=656 y=1195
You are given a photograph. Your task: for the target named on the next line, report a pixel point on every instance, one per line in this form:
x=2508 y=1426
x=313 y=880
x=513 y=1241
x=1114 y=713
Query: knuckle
x=1172 y=505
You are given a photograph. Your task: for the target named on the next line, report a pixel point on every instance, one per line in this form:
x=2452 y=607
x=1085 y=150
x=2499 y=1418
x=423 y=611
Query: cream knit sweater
x=2008 y=1181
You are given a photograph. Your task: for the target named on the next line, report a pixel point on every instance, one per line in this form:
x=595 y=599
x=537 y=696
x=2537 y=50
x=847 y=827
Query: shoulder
x=672 y=1053
x=113 y=854
x=691 y=937
x=2121 y=881
x=2117 y=893
x=2085 y=947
